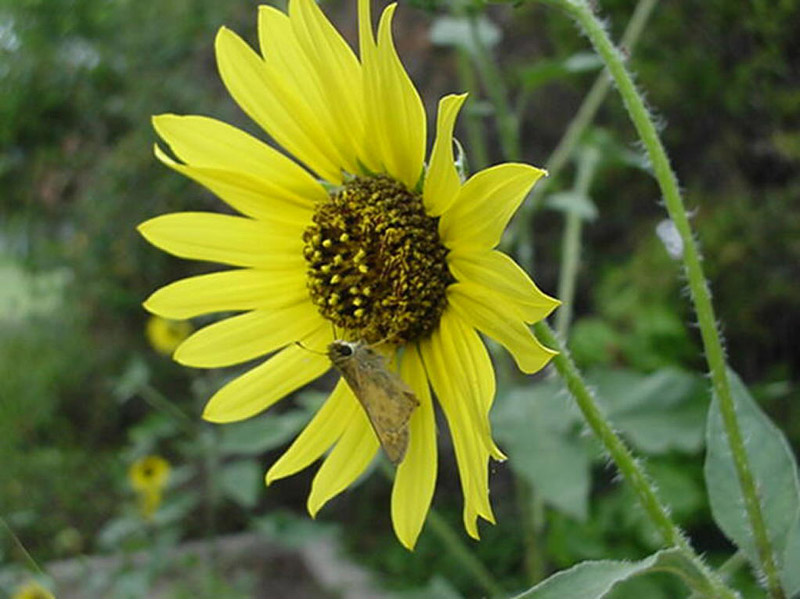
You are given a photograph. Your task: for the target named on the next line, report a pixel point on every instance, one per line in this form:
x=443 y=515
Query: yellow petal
x=442 y=181
x=487 y=312
x=450 y=377
x=319 y=435
x=416 y=475
x=263 y=93
x=307 y=71
x=249 y=195
x=366 y=39
x=348 y=459
x=262 y=386
x=228 y=291
x=225 y=239
x=485 y=204
x=498 y=273
x=396 y=116
x=247 y=336
x=337 y=73
x=205 y=142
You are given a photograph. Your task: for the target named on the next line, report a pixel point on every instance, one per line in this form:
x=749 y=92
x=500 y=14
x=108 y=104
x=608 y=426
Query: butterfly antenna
x=313 y=351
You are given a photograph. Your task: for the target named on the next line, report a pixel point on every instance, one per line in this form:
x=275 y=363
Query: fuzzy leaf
x=659 y=412
x=242 y=481
x=594 y=580
x=544 y=445
x=775 y=472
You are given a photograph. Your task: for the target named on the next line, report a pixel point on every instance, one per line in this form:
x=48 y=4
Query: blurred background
x=110 y=483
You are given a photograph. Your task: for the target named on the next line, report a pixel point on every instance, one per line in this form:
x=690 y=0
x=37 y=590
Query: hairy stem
x=630 y=469
x=698 y=285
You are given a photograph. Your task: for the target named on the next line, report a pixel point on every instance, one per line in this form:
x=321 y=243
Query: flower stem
x=21 y=548
x=458 y=549
x=630 y=469
x=495 y=85
x=698 y=285
x=571 y=243
x=479 y=156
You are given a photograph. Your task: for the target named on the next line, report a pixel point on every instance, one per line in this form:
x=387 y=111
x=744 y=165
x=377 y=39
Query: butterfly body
x=387 y=400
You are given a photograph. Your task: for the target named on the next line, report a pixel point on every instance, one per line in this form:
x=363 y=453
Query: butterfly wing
x=387 y=400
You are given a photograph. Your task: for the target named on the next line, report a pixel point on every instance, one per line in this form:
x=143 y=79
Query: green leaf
x=242 y=481
x=659 y=412
x=572 y=201
x=257 y=435
x=790 y=577
x=544 y=445
x=456 y=32
x=545 y=71
x=594 y=580
x=135 y=376
x=291 y=530
x=775 y=471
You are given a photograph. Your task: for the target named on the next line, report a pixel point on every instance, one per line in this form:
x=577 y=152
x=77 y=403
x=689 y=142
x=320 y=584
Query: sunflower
x=32 y=590
x=148 y=476
x=356 y=235
x=166 y=335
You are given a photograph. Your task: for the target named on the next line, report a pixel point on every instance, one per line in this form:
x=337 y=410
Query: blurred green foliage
x=80 y=80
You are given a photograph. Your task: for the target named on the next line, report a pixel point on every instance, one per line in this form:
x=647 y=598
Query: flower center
x=376 y=265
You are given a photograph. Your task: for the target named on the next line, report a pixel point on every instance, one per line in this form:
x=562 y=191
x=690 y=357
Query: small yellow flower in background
x=358 y=235
x=165 y=334
x=32 y=590
x=148 y=476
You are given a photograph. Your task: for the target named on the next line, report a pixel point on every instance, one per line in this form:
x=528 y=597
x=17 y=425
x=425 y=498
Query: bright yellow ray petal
x=485 y=204
x=366 y=38
x=338 y=72
x=348 y=459
x=248 y=336
x=444 y=367
x=262 y=386
x=442 y=181
x=319 y=435
x=307 y=70
x=416 y=475
x=200 y=141
x=477 y=379
x=225 y=239
x=249 y=195
x=497 y=272
x=228 y=291
x=396 y=116
x=487 y=312
x=263 y=94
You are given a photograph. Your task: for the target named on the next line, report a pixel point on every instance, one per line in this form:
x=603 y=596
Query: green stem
x=698 y=285
x=22 y=549
x=566 y=146
x=531 y=506
x=211 y=467
x=479 y=157
x=454 y=544
x=571 y=243
x=496 y=89
x=458 y=549
x=589 y=107
x=157 y=400
x=726 y=570
x=629 y=468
